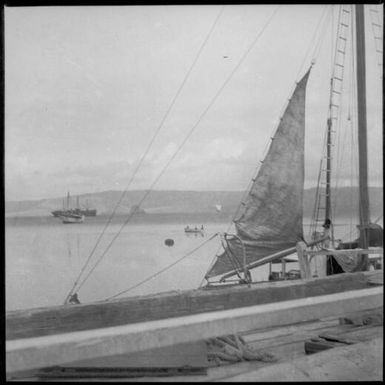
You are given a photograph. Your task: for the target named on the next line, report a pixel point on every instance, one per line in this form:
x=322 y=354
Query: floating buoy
x=169 y=242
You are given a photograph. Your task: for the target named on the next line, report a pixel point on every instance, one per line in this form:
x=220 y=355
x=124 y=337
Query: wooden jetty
x=101 y=340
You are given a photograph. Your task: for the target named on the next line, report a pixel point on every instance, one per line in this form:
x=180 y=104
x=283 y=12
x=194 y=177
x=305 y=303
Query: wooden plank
x=170 y=360
x=276 y=332
x=358 y=362
x=62 y=319
x=345 y=251
x=193 y=354
x=287 y=352
x=46 y=351
x=286 y=347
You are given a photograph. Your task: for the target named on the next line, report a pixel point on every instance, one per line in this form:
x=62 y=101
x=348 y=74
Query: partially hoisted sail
x=271 y=219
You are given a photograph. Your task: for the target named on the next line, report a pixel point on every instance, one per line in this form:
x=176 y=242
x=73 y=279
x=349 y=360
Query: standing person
x=74 y=299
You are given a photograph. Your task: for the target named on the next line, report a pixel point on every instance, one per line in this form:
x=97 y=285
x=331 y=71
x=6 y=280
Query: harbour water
x=44 y=257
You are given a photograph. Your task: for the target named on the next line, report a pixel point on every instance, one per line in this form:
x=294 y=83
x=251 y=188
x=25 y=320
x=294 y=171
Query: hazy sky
x=87 y=87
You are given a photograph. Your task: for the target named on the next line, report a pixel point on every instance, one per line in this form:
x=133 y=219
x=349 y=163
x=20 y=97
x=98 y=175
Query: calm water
x=44 y=257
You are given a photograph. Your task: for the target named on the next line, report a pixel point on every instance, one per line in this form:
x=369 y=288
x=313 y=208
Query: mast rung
x=336 y=92
x=334 y=105
x=347 y=11
x=376 y=24
x=373 y=10
x=345 y=25
x=341 y=51
x=337 y=78
x=379 y=51
x=343 y=38
x=378 y=37
x=340 y=65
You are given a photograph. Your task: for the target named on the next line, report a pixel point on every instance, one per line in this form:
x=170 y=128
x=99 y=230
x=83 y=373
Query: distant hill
x=185 y=202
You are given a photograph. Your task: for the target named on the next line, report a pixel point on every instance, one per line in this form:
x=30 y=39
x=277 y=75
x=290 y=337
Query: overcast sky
x=87 y=87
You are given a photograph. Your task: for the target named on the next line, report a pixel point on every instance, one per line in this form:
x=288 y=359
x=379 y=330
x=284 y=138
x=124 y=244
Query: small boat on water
x=70 y=217
x=195 y=230
x=86 y=211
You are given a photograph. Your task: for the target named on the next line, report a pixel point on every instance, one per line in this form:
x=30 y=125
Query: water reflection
x=195 y=234
x=72 y=242
x=195 y=231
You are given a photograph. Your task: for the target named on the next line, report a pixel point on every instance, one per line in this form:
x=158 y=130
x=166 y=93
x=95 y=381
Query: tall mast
x=328 y=170
x=362 y=130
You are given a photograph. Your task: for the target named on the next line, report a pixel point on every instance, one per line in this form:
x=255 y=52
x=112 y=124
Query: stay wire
x=162 y=270
x=313 y=39
x=149 y=146
x=248 y=188
x=186 y=138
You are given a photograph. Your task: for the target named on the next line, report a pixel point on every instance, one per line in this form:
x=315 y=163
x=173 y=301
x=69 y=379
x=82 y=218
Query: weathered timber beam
x=65 y=319
x=46 y=351
x=344 y=252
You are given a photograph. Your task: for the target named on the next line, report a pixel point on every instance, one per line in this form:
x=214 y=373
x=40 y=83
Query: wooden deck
x=360 y=361
x=279 y=328
x=64 y=319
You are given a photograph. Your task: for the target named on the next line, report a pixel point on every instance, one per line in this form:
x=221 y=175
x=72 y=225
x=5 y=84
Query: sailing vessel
x=86 y=211
x=70 y=217
x=270 y=223
x=269 y=228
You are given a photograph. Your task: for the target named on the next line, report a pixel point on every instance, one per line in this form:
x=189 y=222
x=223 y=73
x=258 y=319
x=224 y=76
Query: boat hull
x=86 y=212
x=72 y=219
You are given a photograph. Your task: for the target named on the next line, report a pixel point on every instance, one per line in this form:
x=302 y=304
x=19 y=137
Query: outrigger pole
x=271 y=258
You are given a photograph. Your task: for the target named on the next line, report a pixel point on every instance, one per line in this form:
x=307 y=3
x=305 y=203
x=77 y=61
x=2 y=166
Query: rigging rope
x=317 y=202
x=337 y=103
x=313 y=39
x=379 y=38
x=250 y=183
x=202 y=115
x=162 y=270
x=185 y=140
x=149 y=146
x=342 y=147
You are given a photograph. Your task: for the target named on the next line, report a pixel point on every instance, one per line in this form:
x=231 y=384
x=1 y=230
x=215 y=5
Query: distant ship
x=69 y=217
x=87 y=212
x=79 y=211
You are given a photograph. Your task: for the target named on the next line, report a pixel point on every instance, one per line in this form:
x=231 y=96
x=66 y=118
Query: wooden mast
x=328 y=171
x=362 y=130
